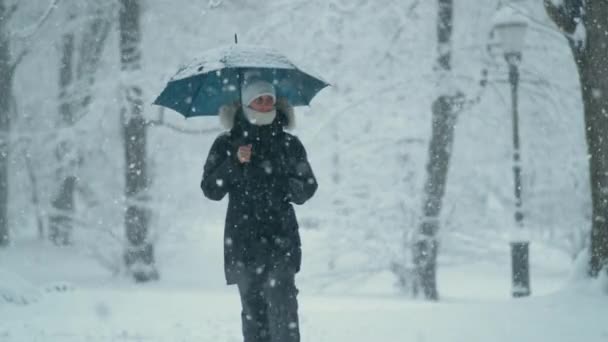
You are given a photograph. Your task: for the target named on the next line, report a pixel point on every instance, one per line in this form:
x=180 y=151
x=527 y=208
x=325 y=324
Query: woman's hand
x=244 y=154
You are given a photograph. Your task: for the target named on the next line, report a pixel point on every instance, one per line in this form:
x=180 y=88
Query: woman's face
x=263 y=104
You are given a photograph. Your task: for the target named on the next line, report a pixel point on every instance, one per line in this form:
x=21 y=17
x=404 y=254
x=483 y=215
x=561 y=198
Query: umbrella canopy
x=207 y=83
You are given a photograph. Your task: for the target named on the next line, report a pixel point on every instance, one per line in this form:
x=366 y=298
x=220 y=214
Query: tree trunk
x=590 y=57
x=75 y=93
x=60 y=221
x=6 y=75
x=139 y=256
x=440 y=148
x=594 y=84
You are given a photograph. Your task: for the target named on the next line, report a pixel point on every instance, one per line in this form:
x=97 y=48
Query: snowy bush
x=580 y=269
x=15 y=290
x=59 y=287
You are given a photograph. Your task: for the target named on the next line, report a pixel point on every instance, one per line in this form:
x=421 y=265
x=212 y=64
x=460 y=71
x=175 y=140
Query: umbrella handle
x=239 y=77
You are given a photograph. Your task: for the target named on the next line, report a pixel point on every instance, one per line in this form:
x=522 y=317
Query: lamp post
x=510 y=26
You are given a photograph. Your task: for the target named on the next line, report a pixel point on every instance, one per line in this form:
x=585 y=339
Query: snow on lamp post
x=510 y=26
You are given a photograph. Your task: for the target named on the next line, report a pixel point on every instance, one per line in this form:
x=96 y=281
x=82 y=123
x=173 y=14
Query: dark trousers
x=270 y=306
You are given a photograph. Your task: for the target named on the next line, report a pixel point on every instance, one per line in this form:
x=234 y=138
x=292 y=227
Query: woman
x=263 y=169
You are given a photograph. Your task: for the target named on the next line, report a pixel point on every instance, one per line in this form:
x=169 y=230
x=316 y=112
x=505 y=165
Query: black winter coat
x=261 y=229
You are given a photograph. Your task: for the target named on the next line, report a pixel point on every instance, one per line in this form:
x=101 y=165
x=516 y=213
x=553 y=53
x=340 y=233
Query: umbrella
x=204 y=85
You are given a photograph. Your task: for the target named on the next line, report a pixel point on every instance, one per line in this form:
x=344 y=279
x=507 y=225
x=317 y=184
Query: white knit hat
x=252 y=90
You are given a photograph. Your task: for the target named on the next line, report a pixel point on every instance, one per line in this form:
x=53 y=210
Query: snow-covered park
x=438 y=131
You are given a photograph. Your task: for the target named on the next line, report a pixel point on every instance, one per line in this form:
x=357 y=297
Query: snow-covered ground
x=70 y=298
x=153 y=314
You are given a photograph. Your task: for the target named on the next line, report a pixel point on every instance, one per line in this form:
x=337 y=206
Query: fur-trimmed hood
x=227 y=114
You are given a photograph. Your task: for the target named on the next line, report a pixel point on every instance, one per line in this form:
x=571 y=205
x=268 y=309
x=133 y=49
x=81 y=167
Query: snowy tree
x=7 y=69
x=9 y=61
x=584 y=26
x=444 y=113
x=139 y=256
x=81 y=47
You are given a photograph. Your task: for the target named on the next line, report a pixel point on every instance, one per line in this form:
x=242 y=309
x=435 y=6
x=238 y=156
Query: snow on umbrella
x=207 y=83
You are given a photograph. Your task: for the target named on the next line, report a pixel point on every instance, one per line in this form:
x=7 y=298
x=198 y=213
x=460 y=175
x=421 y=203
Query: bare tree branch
x=11 y=11
x=18 y=60
x=214 y=4
x=28 y=32
x=557 y=14
x=90 y=52
x=411 y=9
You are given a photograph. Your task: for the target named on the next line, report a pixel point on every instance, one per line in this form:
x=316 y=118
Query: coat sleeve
x=221 y=172
x=301 y=181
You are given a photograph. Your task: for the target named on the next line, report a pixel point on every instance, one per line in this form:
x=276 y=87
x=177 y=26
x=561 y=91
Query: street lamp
x=510 y=26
